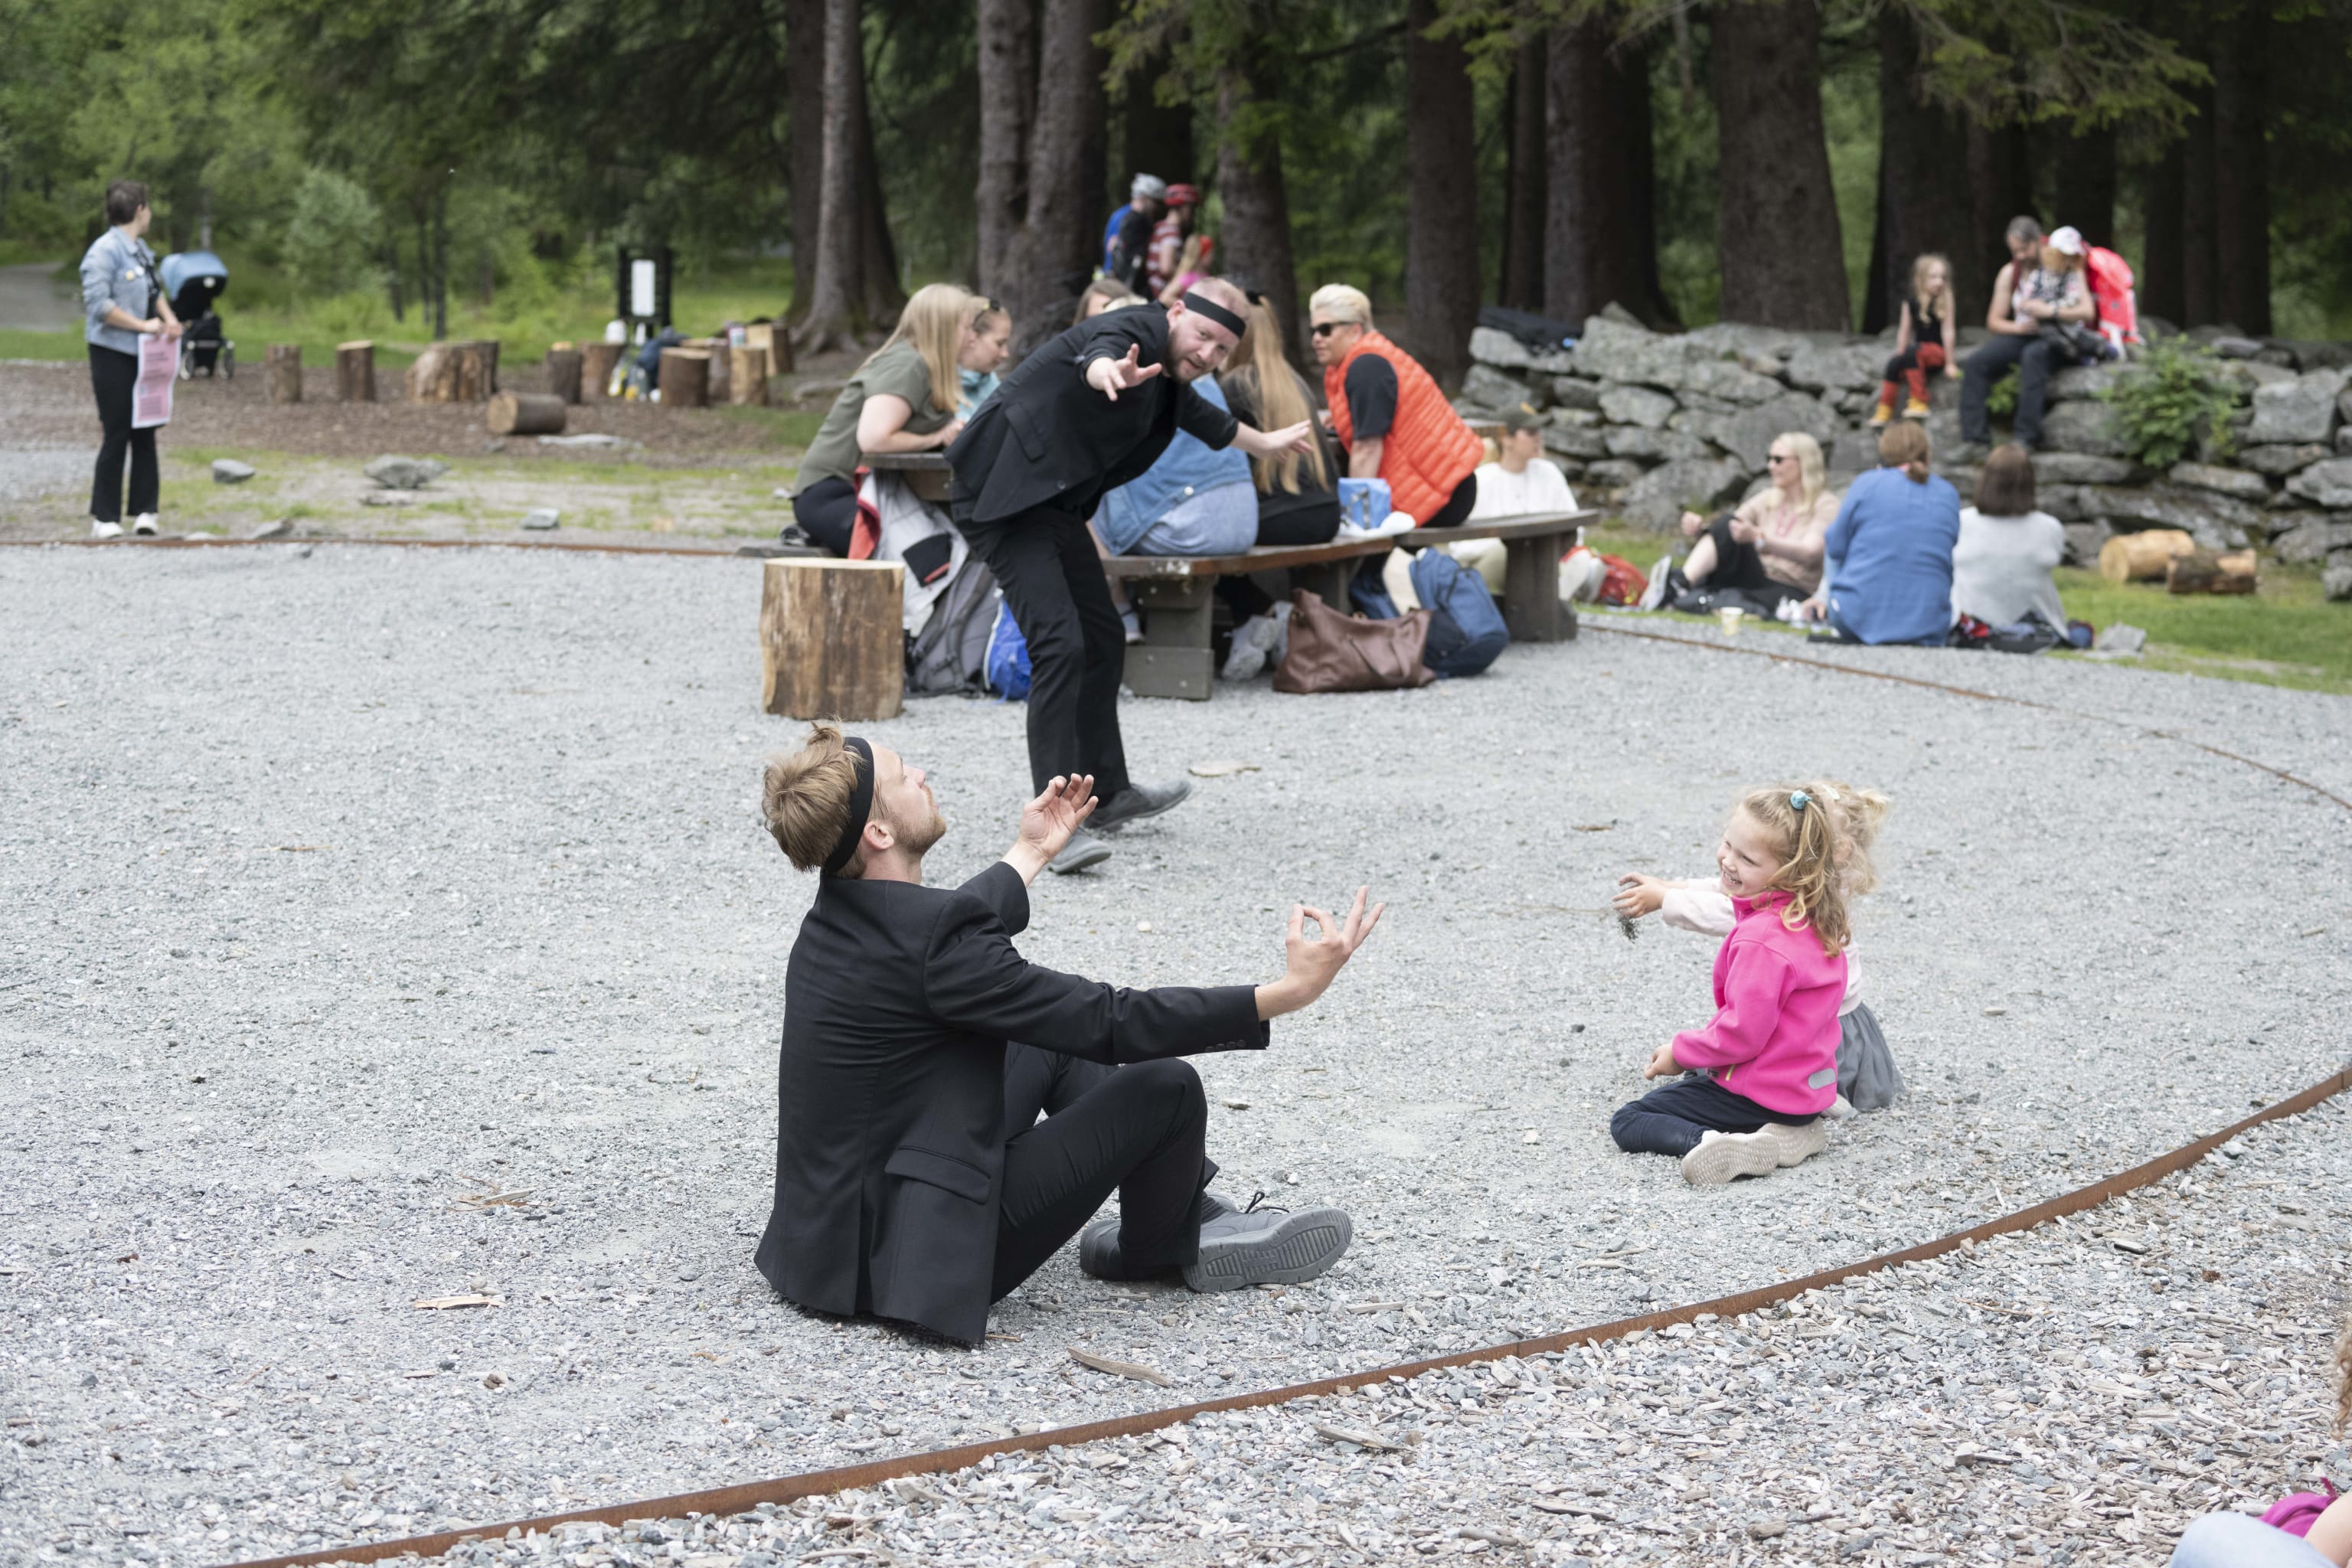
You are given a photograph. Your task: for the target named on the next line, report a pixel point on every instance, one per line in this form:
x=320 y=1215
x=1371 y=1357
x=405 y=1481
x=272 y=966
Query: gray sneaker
x=1136 y=802
x=1083 y=850
x=1098 y=1252
x=1268 y=1246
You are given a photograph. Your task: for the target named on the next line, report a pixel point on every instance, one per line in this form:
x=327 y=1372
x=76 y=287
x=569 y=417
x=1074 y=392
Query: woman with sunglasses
x=1771 y=547
x=1391 y=415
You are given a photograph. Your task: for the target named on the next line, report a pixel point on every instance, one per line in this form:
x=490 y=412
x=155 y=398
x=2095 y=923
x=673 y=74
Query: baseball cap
x=1523 y=418
x=2068 y=241
x=1150 y=187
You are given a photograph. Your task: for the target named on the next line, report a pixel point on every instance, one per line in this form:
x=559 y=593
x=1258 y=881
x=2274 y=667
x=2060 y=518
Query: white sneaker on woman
x=143 y=524
x=1253 y=642
x=104 y=529
x=1655 y=593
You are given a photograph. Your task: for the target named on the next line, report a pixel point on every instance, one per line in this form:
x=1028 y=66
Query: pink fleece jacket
x=1774 y=1036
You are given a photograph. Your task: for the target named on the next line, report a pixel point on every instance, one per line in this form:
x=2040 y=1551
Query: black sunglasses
x=1324 y=329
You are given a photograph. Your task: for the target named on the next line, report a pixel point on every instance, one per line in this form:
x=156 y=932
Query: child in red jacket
x=1767 y=1062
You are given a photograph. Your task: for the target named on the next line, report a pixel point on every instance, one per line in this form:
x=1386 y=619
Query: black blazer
x=898 y=1002
x=1047 y=438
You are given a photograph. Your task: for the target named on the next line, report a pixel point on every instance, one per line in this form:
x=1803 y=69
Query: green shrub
x=331 y=236
x=2000 y=400
x=2172 y=396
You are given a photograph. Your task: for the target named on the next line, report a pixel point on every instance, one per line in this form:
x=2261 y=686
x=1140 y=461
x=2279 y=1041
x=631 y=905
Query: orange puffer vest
x=1428 y=450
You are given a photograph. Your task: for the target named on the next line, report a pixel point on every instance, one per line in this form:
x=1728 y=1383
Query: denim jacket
x=117 y=270
x=1187 y=467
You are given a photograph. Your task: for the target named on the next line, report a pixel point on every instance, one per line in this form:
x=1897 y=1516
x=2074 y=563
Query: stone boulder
x=1500 y=349
x=1579 y=441
x=2321 y=356
x=2234 y=482
x=1737 y=341
x=1626 y=405
x=2082 y=426
x=2215 y=522
x=1612 y=473
x=1568 y=392
x=2247 y=374
x=2081 y=469
x=1655 y=445
x=405 y=473
x=2084 y=381
x=2083 y=541
x=1818 y=367
x=1610 y=351
x=1747 y=434
x=1490 y=388
x=1720 y=378
x=1658 y=498
x=2327 y=484
x=2301 y=410
x=2279 y=461
x=229 y=471
x=2337 y=581
x=2313 y=540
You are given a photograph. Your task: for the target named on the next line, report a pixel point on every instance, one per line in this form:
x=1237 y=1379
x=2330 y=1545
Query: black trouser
x=1139 y=1130
x=1294 y=525
x=114 y=376
x=1456 y=509
x=827 y=512
x=1672 y=1118
x=1045 y=562
x=2033 y=357
x=1741 y=566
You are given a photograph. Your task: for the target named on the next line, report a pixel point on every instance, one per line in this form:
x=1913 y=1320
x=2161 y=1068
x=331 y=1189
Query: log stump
x=716 y=350
x=830 y=643
x=355 y=372
x=597 y=362
x=773 y=337
x=563 y=373
x=457 y=371
x=2203 y=572
x=526 y=414
x=284 y=365
x=747 y=377
x=2142 y=557
x=685 y=378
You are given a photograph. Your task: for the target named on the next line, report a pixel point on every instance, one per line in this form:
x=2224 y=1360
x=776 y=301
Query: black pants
x=1456 y=509
x=1139 y=1130
x=1741 y=566
x=2033 y=356
x=114 y=376
x=1294 y=525
x=1672 y=1118
x=827 y=512
x=1045 y=562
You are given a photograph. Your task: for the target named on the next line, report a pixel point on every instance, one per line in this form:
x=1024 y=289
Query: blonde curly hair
x=1811 y=846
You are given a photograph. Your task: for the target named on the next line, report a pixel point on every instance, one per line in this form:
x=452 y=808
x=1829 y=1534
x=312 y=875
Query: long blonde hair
x=1807 y=838
x=935 y=320
x=1266 y=380
x=1857 y=814
x=1919 y=300
x=1813 y=469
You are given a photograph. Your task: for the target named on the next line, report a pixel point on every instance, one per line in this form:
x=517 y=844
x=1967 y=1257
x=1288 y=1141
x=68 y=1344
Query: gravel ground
x=380 y=927
x=2072 y=1395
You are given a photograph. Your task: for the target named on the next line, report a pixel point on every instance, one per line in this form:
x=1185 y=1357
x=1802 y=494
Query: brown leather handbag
x=1333 y=652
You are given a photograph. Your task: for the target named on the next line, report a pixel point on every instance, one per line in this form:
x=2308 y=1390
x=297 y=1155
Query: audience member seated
x=1103 y=294
x=902 y=399
x=1766 y=549
x=2041 y=289
x=1925 y=339
x=2002 y=565
x=977 y=375
x=1195 y=501
x=1893 y=539
x=1391 y=416
x=1521 y=481
x=1297 y=500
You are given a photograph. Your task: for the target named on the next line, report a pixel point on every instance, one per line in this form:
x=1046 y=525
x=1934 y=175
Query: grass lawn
x=2288 y=634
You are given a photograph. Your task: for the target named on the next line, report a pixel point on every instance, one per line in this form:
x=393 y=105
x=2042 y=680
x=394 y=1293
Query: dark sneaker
x=1268 y=1246
x=1136 y=802
x=1098 y=1254
x=1083 y=850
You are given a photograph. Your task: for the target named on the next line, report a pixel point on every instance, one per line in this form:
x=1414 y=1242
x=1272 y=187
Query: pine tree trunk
x=1256 y=239
x=1599 y=240
x=2000 y=187
x=2162 y=204
x=1783 y=264
x=1521 y=285
x=2087 y=182
x=832 y=298
x=804 y=133
x=2242 y=190
x=1036 y=122
x=1924 y=201
x=1441 y=246
x=1158 y=136
x=2200 y=292
x=878 y=258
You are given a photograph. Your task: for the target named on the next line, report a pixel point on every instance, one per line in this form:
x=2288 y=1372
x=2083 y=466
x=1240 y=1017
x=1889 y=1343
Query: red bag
x=2111 y=292
x=1622 y=583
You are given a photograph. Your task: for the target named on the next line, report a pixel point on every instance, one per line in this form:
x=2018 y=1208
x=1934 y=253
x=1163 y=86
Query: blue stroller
x=193 y=279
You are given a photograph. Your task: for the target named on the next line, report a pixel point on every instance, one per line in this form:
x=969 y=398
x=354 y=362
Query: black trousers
x=1044 y=561
x=1456 y=509
x=1740 y=565
x=1672 y=1118
x=827 y=512
x=2033 y=357
x=1141 y=1130
x=114 y=377
x=1294 y=525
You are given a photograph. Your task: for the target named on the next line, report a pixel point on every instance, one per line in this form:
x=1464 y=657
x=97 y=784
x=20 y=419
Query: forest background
x=406 y=170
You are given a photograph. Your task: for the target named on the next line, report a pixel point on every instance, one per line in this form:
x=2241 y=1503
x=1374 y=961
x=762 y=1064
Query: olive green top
x=900 y=371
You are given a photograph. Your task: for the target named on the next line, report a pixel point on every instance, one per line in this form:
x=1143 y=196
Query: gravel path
x=380 y=926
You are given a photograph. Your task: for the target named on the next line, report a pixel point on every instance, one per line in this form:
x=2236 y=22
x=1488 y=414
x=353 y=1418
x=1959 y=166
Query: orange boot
x=1884 y=413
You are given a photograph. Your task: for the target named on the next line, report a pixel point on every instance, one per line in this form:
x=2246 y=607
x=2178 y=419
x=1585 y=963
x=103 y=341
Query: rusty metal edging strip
x=817 y=1483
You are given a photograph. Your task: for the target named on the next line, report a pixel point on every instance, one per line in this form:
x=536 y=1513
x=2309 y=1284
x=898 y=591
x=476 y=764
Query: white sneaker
x=1723 y=1157
x=1655 y=594
x=105 y=530
x=143 y=524
x=1133 y=628
x=1253 y=641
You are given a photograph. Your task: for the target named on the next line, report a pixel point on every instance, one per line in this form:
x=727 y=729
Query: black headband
x=1215 y=312
x=861 y=806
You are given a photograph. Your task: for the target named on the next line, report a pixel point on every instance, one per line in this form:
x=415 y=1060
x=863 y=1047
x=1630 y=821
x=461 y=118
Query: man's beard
x=917 y=838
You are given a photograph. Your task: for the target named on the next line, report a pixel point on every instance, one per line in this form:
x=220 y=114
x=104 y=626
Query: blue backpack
x=1465 y=630
x=1006 y=667
x=1370 y=597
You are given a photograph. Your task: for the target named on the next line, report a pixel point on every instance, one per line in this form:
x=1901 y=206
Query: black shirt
x=1241 y=395
x=1371 y=396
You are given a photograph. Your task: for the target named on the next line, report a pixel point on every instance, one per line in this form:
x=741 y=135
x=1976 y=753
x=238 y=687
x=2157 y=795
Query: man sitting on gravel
x=900 y=1189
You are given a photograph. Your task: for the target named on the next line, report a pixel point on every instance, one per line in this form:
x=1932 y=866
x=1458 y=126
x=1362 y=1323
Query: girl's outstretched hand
x=1663 y=1063
x=1639 y=895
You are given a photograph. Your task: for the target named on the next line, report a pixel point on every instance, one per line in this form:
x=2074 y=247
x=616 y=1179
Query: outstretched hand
x=1048 y=821
x=1110 y=376
x=1299 y=438
x=1639 y=895
x=1311 y=963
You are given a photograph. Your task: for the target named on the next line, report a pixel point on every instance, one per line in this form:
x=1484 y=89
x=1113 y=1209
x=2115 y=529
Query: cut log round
x=597 y=362
x=685 y=378
x=355 y=372
x=284 y=373
x=526 y=414
x=772 y=337
x=478 y=370
x=830 y=643
x=715 y=349
x=2202 y=572
x=747 y=377
x=563 y=364
x=2142 y=557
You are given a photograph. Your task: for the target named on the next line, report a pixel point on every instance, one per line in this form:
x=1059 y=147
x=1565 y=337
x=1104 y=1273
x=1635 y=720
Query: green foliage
x=2001 y=399
x=2174 y=396
x=332 y=234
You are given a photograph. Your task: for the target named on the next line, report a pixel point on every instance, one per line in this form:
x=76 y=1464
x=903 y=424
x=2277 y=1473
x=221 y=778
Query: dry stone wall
x=1647 y=423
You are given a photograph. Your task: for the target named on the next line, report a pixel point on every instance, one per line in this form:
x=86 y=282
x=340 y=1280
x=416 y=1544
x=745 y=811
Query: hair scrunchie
x=1799 y=799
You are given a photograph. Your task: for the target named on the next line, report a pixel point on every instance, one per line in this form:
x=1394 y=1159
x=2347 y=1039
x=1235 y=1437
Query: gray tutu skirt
x=1867 y=1075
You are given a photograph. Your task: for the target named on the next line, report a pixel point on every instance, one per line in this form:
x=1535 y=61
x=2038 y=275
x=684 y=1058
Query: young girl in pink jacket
x=1764 y=1068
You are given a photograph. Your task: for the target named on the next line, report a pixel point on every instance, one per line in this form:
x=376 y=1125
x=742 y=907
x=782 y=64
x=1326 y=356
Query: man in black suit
x=900 y=1189
x=1088 y=412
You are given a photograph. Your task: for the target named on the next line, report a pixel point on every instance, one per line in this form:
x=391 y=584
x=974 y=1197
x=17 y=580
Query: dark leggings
x=114 y=377
x=1672 y=1118
x=1316 y=524
x=1138 y=1131
x=1740 y=565
x=1456 y=509
x=827 y=512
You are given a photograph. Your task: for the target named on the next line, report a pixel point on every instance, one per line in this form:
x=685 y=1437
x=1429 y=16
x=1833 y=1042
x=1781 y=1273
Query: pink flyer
x=158 y=366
